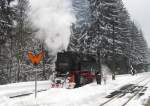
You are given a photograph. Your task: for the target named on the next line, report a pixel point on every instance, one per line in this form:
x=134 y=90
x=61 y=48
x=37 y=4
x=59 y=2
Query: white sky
x=140 y=12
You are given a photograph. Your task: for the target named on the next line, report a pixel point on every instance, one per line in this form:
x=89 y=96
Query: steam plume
x=53 y=19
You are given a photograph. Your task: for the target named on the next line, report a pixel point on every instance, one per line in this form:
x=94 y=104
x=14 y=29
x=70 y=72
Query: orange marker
x=35 y=59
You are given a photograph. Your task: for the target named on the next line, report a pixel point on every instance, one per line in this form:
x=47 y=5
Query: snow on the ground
x=88 y=95
x=14 y=89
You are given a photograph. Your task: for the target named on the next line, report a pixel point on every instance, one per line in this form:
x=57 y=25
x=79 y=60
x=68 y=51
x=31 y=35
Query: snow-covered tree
x=138 y=48
x=6 y=26
x=80 y=29
x=104 y=26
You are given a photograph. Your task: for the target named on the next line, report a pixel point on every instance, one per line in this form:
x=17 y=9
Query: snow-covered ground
x=88 y=95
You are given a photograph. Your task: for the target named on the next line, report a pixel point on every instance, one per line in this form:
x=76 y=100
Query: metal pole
x=35 y=84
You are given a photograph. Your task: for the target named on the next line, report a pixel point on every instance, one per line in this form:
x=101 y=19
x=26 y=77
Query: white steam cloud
x=53 y=19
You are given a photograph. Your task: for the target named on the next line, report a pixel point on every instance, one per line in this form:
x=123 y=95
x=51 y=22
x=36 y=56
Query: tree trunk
x=99 y=67
x=44 y=73
x=10 y=63
x=114 y=61
x=18 y=72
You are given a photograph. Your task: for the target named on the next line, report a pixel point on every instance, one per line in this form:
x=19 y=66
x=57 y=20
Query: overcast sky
x=140 y=12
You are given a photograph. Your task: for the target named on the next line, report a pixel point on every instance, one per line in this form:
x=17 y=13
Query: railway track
x=133 y=89
x=136 y=93
x=26 y=94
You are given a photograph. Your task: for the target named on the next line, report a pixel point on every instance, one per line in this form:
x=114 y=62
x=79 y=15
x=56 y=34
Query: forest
x=103 y=28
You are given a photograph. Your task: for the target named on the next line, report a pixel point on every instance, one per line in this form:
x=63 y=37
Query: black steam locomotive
x=82 y=66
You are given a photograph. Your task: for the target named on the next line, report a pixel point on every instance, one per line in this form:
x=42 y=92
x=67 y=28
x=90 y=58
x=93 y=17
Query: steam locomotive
x=80 y=68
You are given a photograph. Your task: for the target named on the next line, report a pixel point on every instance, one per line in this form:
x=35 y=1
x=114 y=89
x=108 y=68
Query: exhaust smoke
x=52 y=19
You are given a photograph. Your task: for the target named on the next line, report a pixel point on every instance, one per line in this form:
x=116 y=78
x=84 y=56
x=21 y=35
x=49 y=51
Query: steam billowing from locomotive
x=52 y=19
